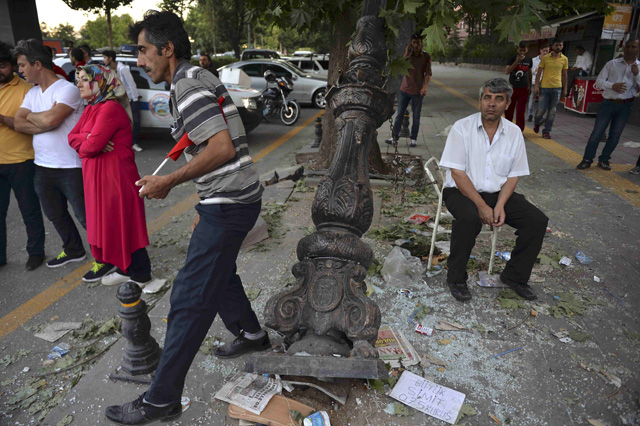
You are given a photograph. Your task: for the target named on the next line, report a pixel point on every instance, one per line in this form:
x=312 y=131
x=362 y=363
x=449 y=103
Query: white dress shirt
x=124 y=75
x=584 y=62
x=488 y=165
x=535 y=68
x=618 y=71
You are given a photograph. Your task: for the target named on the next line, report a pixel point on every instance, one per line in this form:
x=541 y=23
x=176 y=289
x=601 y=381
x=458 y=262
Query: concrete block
x=316 y=366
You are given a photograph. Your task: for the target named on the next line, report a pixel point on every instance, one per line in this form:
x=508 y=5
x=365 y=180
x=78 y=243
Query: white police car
x=154 y=98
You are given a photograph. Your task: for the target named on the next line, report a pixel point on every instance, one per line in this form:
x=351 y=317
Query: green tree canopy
x=64 y=32
x=94 y=33
x=99 y=6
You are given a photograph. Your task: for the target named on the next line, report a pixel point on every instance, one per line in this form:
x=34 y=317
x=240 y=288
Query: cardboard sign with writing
x=429 y=397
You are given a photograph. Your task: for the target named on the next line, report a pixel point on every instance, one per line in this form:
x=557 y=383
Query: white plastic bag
x=401 y=269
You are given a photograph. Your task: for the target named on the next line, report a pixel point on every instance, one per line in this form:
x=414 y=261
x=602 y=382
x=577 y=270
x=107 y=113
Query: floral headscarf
x=103 y=82
x=104 y=85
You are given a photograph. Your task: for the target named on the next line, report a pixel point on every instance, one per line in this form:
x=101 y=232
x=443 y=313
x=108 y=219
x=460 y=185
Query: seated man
x=484 y=156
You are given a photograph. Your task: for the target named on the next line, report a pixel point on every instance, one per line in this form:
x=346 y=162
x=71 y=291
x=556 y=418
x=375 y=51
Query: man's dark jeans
x=206 y=285
x=531 y=225
x=547 y=102
x=609 y=112
x=416 y=107
x=135 y=112
x=56 y=187
x=19 y=177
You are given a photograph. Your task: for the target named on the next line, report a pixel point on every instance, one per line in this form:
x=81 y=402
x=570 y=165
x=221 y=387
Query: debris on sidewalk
x=417 y=219
x=319 y=418
x=394 y=348
x=435 y=400
x=292 y=173
x=248 y=391
x=10 y=359
x=489 y=281
x=186 y=403
x=565 y=261
x=449 y=326
x=287 y=385
x=631 y=144
x=59 y=351
x=444 y=246
x=280 y=411
x=583 y=258
x=56 y=330
x=401 y=268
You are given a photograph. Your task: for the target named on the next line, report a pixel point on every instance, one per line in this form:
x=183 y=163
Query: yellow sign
x=619 y=19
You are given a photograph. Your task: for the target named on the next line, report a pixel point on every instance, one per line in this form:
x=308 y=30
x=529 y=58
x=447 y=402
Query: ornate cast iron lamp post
x=327 y=311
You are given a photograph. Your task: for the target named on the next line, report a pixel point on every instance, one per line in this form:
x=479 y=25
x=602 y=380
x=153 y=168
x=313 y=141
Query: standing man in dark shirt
x=413 y=88
x=519 y=70
x=205 y=62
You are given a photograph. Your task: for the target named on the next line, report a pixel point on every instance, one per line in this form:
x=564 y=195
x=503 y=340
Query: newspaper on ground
x=428 y=397
x=393 y=348
x=249 y=391
x=56 y=330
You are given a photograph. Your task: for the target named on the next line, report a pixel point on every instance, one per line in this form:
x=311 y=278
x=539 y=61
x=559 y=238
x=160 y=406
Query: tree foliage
x=218 y=23
x=179 y=7
x=99 y=6
x=64 y=32
x=94 y=33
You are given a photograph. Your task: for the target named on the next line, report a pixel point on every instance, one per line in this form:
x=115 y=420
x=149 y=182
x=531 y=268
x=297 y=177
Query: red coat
x=116 y=224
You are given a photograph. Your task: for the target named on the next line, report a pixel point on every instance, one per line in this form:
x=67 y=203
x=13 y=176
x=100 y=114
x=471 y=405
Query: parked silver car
x=154 y=98
x=307 y=89
x=316 y=65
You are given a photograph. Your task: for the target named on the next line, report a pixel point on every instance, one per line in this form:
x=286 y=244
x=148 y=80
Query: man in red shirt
x=413 y=88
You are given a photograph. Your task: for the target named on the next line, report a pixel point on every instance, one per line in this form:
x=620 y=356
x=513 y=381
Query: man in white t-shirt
x=49 y=112
x=484 y=156
x=534 y=72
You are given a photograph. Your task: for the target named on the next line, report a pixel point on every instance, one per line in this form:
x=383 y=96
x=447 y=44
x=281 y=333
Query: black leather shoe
x=584 y=164
x=604 y=165
x=138 y=412
x=33 y=262
x=241 y=345
x=460 y=291
x=522 y=290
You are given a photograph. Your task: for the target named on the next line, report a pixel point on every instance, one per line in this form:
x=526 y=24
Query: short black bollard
x=316 y=142
x=142 y=353
x=404 y=131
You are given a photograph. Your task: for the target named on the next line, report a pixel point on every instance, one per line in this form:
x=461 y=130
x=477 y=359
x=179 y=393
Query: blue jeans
x=135 y=113
x=609 y=112
x=56 y=187
x=547 y=101
x=206 y=285
x=19 y=177
x=416 y=107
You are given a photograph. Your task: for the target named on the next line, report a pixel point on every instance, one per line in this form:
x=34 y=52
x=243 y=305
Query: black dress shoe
x=241 y=345
x=604 y=165
x=460 y=291
x=522 y=290
x=138 y=412
x=33 y=262
x=584 y=164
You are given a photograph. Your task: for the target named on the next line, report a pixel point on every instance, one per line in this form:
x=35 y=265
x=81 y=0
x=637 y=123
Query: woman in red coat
x=116 y=225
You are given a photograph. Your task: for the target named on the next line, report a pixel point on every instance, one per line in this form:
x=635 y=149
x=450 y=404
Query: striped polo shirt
x=195 y=110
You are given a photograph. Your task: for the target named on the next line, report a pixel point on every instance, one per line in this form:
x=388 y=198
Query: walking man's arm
x=218 y=151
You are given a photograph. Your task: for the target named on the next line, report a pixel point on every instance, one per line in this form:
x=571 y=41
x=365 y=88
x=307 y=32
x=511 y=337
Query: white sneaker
x=116 y=278
x=413 y=143
x=137 y=147
x=635 y=170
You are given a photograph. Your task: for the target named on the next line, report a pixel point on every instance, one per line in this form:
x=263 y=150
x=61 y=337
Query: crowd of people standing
x=67 y=148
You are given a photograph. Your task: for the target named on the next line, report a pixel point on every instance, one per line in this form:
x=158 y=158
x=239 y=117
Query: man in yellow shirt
x=550 y=84
x=16 y=164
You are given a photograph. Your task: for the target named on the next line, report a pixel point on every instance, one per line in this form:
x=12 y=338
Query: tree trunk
x=109 y=32
x=343 y=30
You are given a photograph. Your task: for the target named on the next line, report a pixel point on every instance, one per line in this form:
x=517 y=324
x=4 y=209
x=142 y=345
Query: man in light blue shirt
x=620 y=79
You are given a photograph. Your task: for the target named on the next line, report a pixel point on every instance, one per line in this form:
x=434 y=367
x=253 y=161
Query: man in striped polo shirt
x=227 y=183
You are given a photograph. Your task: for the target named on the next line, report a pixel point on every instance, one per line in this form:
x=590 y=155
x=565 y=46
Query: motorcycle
x=276 y=101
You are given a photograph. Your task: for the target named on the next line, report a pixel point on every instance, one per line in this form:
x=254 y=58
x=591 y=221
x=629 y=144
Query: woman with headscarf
x=116 y=225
